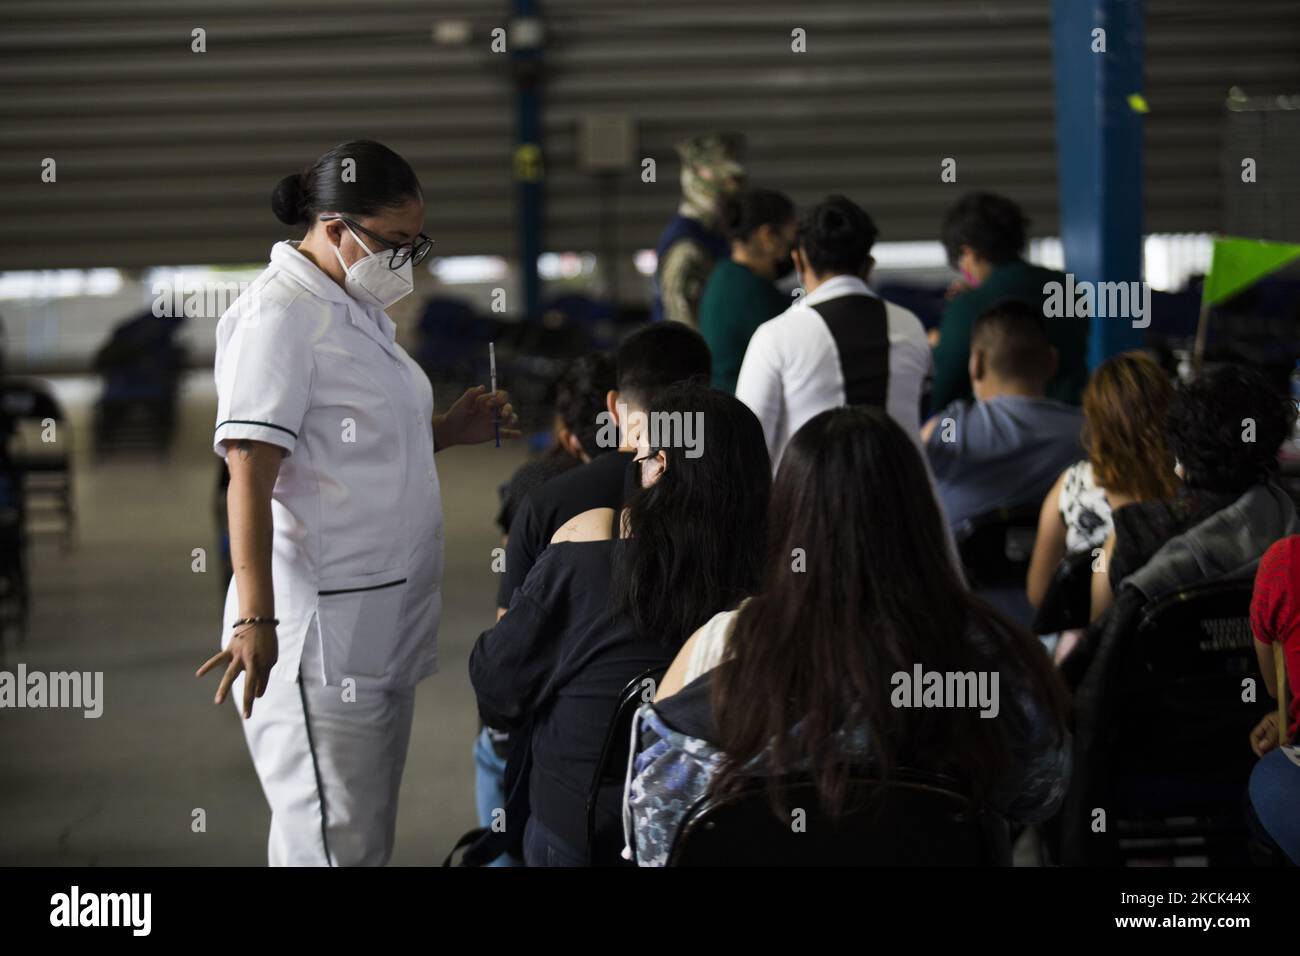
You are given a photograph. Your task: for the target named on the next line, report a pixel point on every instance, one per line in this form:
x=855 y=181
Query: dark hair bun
x=287 y=200
x=387 y=181
x=833 y=224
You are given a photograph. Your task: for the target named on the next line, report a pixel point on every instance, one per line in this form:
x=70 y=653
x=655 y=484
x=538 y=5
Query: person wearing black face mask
x=741 y=293
x=633 y=476
x=613 y=596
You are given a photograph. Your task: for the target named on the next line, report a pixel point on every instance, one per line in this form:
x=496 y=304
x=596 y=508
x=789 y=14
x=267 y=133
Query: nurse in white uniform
x=328 y=430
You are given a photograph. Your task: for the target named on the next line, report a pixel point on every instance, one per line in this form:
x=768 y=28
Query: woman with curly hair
x=1124 y=408
x=1225 y=430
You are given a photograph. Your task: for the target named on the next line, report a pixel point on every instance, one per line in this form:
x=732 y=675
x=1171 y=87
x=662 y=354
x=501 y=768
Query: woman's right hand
x=1265 y=736
x=254 y=467
x=253 y=650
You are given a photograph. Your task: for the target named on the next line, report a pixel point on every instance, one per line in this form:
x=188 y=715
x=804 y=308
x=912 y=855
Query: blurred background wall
x=166 y=156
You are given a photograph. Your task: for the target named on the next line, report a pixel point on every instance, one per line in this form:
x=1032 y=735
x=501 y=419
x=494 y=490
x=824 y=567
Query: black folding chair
x=45 y=466
x=141 y=363
x=14 y=596
x=910 y=819
x=996 y=546
x=1068 y=601
x=1182 y=758
x=611 y=769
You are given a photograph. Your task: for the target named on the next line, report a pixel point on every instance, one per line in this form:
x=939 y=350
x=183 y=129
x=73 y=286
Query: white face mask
x=371 y=281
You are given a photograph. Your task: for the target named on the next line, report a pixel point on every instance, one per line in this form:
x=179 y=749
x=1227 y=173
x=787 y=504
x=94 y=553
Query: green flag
x=1239 y=262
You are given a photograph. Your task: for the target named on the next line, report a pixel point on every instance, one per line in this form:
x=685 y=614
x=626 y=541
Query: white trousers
x=330 y=768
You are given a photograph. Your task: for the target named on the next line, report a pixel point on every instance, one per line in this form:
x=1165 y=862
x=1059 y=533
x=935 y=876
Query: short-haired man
x=1009 y=446
x=649 y=359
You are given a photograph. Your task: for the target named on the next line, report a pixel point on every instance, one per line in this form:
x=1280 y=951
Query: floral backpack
x=671 y=769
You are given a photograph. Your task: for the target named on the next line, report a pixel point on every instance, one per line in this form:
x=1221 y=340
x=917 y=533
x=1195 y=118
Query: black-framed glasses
x=415 y=250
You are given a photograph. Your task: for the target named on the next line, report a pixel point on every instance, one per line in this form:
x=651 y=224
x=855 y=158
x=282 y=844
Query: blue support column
x=526 y=59
x=1099 y=152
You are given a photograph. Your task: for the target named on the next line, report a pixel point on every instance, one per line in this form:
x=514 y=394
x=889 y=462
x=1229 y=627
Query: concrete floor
x=121 y=790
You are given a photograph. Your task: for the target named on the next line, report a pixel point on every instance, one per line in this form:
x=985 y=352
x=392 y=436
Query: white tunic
x=357 y=553
x=791 y=370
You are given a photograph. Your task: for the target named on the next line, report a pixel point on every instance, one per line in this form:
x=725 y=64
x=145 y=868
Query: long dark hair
x=696 y=534
x=876 y=593
x=380 y=179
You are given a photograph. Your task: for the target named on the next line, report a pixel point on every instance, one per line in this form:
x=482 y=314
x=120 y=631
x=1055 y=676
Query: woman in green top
x=741 y=293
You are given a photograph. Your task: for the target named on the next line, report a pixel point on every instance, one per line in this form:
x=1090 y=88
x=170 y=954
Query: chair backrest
x=448 y=332
x=1069 y=597
x=614 y=755
x=12 y=506
x=143 y=346
x=996 y=546
x=593 y=317
x=1201 y=632
x=910 y=819
x=1183 y=723
x=25 y=399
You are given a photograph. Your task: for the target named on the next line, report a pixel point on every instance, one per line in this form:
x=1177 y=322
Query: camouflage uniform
x=691 y=244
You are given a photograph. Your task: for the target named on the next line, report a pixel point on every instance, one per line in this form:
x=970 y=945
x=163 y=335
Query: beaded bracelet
x=255 y=620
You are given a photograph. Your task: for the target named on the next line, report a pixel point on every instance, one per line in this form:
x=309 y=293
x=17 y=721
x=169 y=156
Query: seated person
x=1125 y=405
x=1275 y=619
x=741 y=293
x=984 y=236
x=1224 y=429
x=579 y=400
x=1009 y=446
x=612 y=597
x=647 y=359
x=805 y=675
x=580 y=397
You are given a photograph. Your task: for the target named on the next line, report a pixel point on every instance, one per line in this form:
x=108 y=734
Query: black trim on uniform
x=860 y=327
x=315 y=769
x=373 y=587
x=244 y=421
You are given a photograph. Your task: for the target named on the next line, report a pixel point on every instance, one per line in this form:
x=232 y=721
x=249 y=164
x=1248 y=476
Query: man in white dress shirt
x=840 y=343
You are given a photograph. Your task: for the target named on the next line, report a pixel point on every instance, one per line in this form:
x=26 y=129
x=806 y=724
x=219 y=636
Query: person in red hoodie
x=1275 y=619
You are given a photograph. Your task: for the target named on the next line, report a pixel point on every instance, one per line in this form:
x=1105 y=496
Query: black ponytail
x=376 y=179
